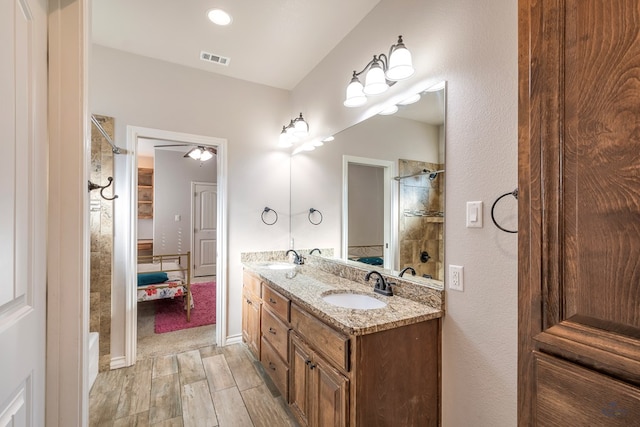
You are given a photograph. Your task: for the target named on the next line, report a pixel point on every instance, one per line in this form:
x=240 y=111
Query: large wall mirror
x=376 y=192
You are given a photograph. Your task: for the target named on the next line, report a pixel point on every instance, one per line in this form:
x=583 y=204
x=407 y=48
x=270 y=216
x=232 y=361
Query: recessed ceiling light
x=219 y=17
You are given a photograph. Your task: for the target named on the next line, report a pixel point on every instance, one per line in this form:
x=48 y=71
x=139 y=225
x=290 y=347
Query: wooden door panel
x=601 y=163
x=579 y=201
x=568 y=392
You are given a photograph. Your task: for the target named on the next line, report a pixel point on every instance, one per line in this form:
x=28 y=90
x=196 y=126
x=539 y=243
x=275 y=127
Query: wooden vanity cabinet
x=251 y=303
x=275 y=337
x=390 y=377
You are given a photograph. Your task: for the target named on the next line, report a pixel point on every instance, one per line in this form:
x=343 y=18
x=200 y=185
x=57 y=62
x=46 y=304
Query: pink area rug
x=171 y=315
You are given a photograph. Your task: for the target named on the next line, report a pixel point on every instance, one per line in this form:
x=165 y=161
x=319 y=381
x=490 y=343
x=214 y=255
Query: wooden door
x=579 y=213
x=330 y=395
x=205 y=220
x=23 y=201
x=251 y=322
x=299 y=380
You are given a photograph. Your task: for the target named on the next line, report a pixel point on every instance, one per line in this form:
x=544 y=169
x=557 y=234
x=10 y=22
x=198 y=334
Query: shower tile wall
x=421 y=218
x=101 y=223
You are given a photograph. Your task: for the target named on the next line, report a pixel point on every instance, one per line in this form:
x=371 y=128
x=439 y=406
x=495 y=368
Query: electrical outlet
x=456 y=278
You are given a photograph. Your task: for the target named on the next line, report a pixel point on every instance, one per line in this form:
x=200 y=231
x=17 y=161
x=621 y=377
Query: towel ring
x=312 y=211
x=513 y=193
x=266 y=211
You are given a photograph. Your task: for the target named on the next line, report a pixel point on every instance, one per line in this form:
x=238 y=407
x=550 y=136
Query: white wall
x=173 y=176
x=473 y=45
x=143 y=92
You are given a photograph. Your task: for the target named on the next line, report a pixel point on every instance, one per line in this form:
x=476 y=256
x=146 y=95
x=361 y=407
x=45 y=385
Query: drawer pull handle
x=249 y=302
x=272 y=366
x=272 y=301
x=272 y=331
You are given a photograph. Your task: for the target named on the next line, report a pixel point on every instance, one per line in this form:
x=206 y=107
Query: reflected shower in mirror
x=393 y=215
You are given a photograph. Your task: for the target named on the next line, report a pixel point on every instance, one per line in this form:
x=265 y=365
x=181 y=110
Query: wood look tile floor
x=206 y=387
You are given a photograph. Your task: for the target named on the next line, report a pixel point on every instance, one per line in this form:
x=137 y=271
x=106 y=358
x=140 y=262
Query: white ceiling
x=272 y=42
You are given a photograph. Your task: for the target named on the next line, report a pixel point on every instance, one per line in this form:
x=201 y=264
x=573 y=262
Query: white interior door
x=23 y=201
x=205 y=218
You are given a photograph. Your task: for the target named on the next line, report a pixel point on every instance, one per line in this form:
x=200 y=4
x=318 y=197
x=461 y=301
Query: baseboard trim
x=233 y=339
x=118 y=362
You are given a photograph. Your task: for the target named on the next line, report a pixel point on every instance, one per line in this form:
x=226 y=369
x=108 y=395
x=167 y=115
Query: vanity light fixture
x=200 y=153
x=381 y=72
x=297 y=129
x=410 y=100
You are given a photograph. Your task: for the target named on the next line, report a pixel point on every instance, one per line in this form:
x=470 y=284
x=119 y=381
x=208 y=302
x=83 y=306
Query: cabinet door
x=251 y=323
x=330 y=395
x=299 y=379
x=579 y=234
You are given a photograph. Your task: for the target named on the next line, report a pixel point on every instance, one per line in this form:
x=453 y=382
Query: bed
x=165 y=276
x=368 y=254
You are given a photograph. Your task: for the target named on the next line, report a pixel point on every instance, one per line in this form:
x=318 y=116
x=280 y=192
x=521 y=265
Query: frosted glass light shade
x=355 y=95
x=195 y=153
x=301 y=128
x=206 y=155
x=284 y=141
x=400 y=64
x=375 y=81
x=411 y=100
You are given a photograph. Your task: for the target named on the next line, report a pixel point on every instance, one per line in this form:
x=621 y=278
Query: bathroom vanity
x=342 y=366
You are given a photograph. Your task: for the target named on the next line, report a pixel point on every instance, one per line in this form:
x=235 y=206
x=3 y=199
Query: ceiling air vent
x=216 y=59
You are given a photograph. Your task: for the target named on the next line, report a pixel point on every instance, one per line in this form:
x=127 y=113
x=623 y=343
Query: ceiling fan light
x=206 y=155
x=355 y=95
x=194 y=153
x=375 y=81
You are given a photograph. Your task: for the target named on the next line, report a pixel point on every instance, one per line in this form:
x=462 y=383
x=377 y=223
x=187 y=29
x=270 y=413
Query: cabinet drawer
x=276 y=332
x=331 y=343
x=251 y=283
x=276 y=368
x=570 y=394
x=276 y=302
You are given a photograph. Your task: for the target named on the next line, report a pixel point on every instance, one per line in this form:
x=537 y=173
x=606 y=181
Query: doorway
x=368 y=202
x=128 y=236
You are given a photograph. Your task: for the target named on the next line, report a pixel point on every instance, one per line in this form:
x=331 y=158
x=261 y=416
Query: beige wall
x=473 y=46
x=143 y=92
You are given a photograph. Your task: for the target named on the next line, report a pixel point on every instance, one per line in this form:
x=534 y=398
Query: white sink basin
x=359 y=301
x=279 y=266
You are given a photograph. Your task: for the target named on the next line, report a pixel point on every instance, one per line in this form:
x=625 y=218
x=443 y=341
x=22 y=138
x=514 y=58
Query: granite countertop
x=306 y=285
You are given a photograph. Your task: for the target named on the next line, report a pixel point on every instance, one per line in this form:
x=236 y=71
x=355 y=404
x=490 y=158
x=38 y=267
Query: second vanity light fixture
x=381 y=72
x=296 y=130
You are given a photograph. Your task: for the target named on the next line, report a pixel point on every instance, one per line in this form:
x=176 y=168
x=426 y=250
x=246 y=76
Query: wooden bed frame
x=180 y=259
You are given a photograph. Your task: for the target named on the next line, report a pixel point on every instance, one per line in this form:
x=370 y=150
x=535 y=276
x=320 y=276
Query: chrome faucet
x=297 y=259
x=404 y=270
x=382 y=286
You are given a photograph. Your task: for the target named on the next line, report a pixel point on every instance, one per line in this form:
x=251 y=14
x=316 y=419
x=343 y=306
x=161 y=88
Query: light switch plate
x=474 y=214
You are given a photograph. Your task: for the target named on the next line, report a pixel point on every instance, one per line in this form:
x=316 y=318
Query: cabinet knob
x=311 y=366
x=307 y=362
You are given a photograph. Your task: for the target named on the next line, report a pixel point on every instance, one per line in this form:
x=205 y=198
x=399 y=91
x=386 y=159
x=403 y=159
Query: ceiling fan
x=196 y=152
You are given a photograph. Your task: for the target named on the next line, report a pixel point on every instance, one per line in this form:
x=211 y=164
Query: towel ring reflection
x=266 y=211
x=311 y=212
x=513 y=193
